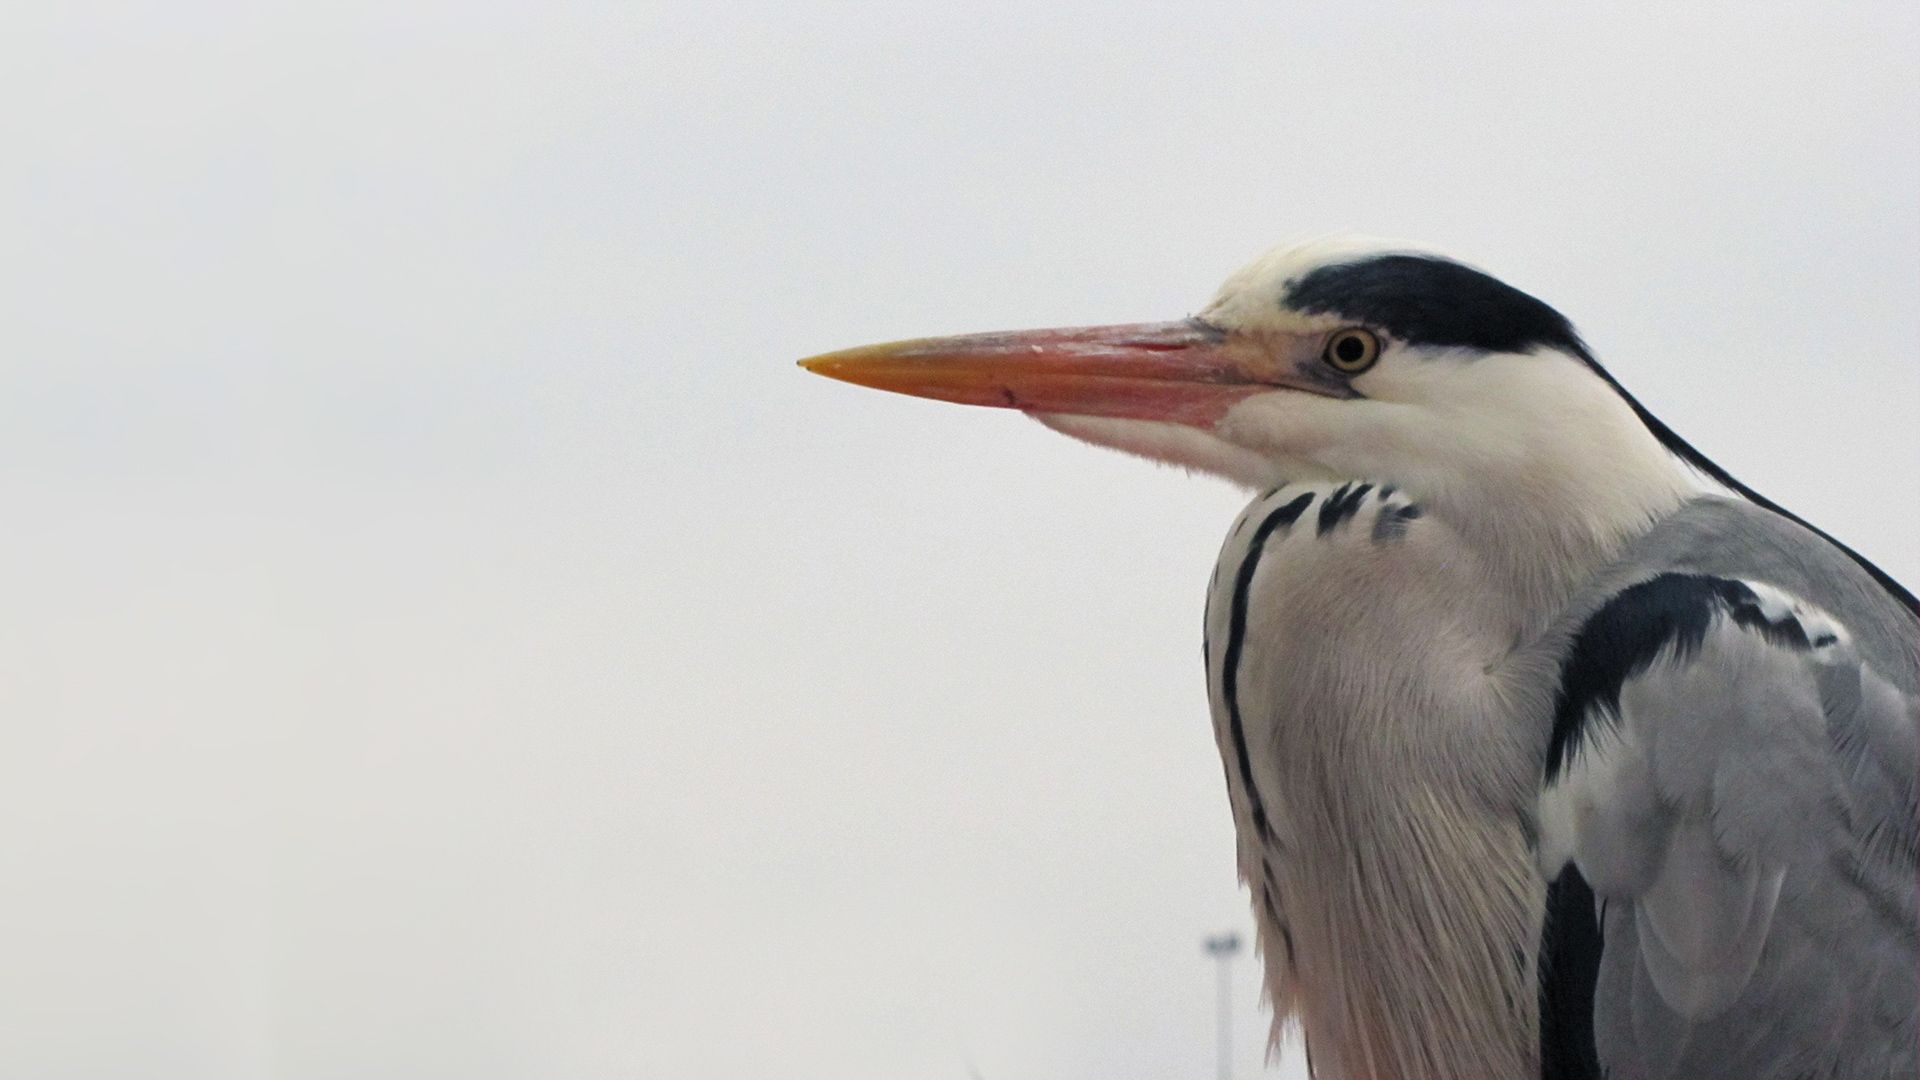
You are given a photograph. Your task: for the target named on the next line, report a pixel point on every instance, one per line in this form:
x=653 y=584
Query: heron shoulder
x=1735 y=539
x=1727 y=809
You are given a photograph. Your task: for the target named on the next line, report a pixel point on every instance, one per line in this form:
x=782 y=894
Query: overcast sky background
x=442 y=635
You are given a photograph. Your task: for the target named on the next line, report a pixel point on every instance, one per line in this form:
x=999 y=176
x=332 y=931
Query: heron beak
x=1186 y=372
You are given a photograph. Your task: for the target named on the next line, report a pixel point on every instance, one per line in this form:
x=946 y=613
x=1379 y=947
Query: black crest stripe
x=1425 y=300
x=1237 y=640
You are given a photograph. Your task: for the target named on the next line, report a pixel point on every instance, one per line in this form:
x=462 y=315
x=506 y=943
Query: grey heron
x=1552 y=749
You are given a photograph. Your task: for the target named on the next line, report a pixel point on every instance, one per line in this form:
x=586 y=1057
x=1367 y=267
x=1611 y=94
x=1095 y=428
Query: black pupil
x=1350 y=349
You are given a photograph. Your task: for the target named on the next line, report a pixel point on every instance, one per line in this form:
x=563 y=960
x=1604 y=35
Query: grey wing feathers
x=1738 y=788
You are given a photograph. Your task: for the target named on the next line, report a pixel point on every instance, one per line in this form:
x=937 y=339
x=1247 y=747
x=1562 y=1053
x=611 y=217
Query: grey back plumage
x=1728 y=811
x=1734 y=539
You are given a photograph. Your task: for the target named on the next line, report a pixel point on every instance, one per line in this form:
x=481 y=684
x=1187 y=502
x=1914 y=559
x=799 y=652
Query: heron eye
x=1351 y=351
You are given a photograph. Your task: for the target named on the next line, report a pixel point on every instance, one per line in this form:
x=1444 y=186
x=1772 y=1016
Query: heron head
x=1337 y=359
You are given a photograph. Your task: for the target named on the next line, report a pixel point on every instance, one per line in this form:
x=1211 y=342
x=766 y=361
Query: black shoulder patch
x=1424 y=300
x=1625 y=636
x=1570 y=944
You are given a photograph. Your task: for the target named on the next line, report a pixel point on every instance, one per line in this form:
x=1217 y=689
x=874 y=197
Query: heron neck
x=1540 y=539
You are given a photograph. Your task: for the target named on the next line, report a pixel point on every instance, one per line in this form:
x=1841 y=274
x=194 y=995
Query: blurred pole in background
x=1222 y=948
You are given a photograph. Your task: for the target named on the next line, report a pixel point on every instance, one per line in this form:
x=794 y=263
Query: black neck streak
x=1236 y=642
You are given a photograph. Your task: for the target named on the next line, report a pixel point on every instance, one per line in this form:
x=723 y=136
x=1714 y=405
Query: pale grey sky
x=443 y=635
